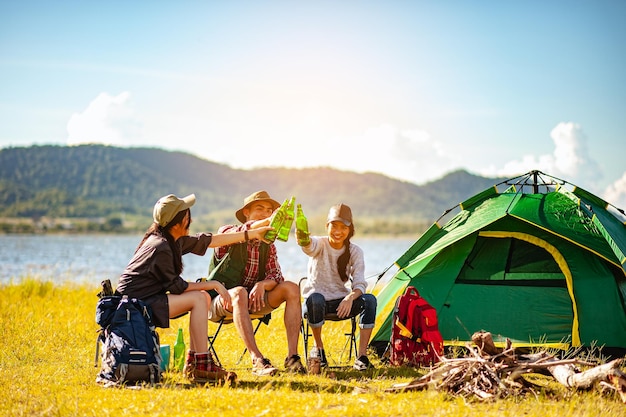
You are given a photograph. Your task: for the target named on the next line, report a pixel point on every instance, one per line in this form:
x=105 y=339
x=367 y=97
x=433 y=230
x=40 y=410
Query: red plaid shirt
x=272 y=268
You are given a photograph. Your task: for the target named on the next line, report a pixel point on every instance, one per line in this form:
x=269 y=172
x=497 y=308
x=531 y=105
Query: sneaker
x=294 y=364
x=362 y=363
x=263 y=367
x=322 y=355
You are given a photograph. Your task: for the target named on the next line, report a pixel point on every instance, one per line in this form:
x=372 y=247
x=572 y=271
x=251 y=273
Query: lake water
x=92 y=258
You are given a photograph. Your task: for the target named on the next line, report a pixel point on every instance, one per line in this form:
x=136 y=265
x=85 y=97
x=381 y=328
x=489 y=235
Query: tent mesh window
x=510 y=261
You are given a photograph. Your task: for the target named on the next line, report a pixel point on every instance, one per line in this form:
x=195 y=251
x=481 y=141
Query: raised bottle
x=285 y=228
x=302 y=227
x=276 y=222
x=179 y=351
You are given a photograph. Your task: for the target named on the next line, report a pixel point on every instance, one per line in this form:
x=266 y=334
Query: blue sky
x=411 y=89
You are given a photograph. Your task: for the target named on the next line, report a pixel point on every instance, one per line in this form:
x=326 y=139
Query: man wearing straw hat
x=256 y=285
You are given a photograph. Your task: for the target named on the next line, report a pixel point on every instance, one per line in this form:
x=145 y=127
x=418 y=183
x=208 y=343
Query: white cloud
x=570 y=159
x=571 y=156
x=107 y=119
x=616 y=193
x=411 y=154
x=251 y=135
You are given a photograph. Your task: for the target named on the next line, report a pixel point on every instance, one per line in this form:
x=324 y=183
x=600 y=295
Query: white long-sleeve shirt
x=323 y=276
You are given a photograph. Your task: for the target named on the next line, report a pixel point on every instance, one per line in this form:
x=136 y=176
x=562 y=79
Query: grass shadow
x=336 y=379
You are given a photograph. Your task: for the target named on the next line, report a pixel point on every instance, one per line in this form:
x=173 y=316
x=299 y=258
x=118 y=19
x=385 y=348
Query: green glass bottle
x=285 y=228
x=302 y=227
x=276 y=222
x=179 y=351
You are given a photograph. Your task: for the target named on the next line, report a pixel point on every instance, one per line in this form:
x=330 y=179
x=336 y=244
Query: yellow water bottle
x=179 y=351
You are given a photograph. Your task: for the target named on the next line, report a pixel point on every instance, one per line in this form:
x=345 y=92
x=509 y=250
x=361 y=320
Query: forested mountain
x=97 y=181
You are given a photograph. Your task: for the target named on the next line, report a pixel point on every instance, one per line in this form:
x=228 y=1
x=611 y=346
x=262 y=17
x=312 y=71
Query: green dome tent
x=537 y=263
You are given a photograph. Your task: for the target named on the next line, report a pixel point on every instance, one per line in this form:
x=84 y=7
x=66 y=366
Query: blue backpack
x=130 y=343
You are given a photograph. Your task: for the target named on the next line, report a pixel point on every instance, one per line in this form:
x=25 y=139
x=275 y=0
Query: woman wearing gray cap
x=336 y=282
x=154 y=276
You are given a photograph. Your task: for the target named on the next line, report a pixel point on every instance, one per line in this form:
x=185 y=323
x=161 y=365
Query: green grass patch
x=47 y=348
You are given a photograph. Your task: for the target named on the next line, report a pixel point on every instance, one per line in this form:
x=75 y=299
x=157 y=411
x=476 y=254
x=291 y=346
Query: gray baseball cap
x=340 y=212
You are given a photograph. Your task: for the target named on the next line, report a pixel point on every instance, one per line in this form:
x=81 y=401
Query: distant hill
x=96 y=181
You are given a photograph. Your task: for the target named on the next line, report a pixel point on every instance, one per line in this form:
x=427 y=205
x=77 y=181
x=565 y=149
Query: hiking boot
x=206 y=370
x=294 y=364
x=263 y=367
x=190 y=364
x=362 y=363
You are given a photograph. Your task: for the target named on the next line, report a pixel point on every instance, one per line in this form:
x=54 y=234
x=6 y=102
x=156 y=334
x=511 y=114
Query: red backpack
x=415 y=337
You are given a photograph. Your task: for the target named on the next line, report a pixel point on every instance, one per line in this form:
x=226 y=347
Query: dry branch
x=491 y=372
x=567 y=374
x=617 y=381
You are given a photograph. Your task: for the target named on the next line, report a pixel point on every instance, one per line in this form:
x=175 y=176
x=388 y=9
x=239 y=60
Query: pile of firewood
x=490 y=372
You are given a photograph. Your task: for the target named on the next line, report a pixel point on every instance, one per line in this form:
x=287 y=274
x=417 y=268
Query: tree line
x=117 y=187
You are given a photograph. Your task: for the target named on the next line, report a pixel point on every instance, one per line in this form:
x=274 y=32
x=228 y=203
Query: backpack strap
x=412 y=320
x=404 y=331
x=406 y=306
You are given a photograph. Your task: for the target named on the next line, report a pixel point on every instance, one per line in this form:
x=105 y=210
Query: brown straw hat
x=257 y=196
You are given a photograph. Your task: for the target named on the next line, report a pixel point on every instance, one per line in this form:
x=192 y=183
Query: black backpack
x=130 y=343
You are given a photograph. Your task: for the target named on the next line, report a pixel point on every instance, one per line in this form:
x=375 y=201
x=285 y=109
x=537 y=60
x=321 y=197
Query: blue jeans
x=316 y=307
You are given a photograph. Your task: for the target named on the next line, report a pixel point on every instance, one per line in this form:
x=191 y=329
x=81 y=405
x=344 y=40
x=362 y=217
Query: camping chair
x=350 y=336
x=213 y=337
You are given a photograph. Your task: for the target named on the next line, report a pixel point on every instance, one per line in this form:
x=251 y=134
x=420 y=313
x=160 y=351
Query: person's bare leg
x=317 y=336
x=289 y=293
x=195 y=303
x=242 y=321
x=364 y=339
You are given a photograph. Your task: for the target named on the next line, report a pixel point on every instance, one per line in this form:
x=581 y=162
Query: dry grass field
x=47 y=348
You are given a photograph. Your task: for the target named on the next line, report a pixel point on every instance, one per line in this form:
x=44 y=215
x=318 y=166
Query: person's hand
x=303 y=238
x=223 y=292
x=256 y=298
x=259 y=233
x=260 y=223
x=344 y=308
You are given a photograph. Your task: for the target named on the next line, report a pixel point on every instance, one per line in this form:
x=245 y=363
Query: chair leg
x=353 y=338
x=213 y=338
x=212 y=341
x=304 y=329
x=350 y=338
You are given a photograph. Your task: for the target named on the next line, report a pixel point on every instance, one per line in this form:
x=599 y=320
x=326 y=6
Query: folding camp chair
x=212 y=338
x=350 y=336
